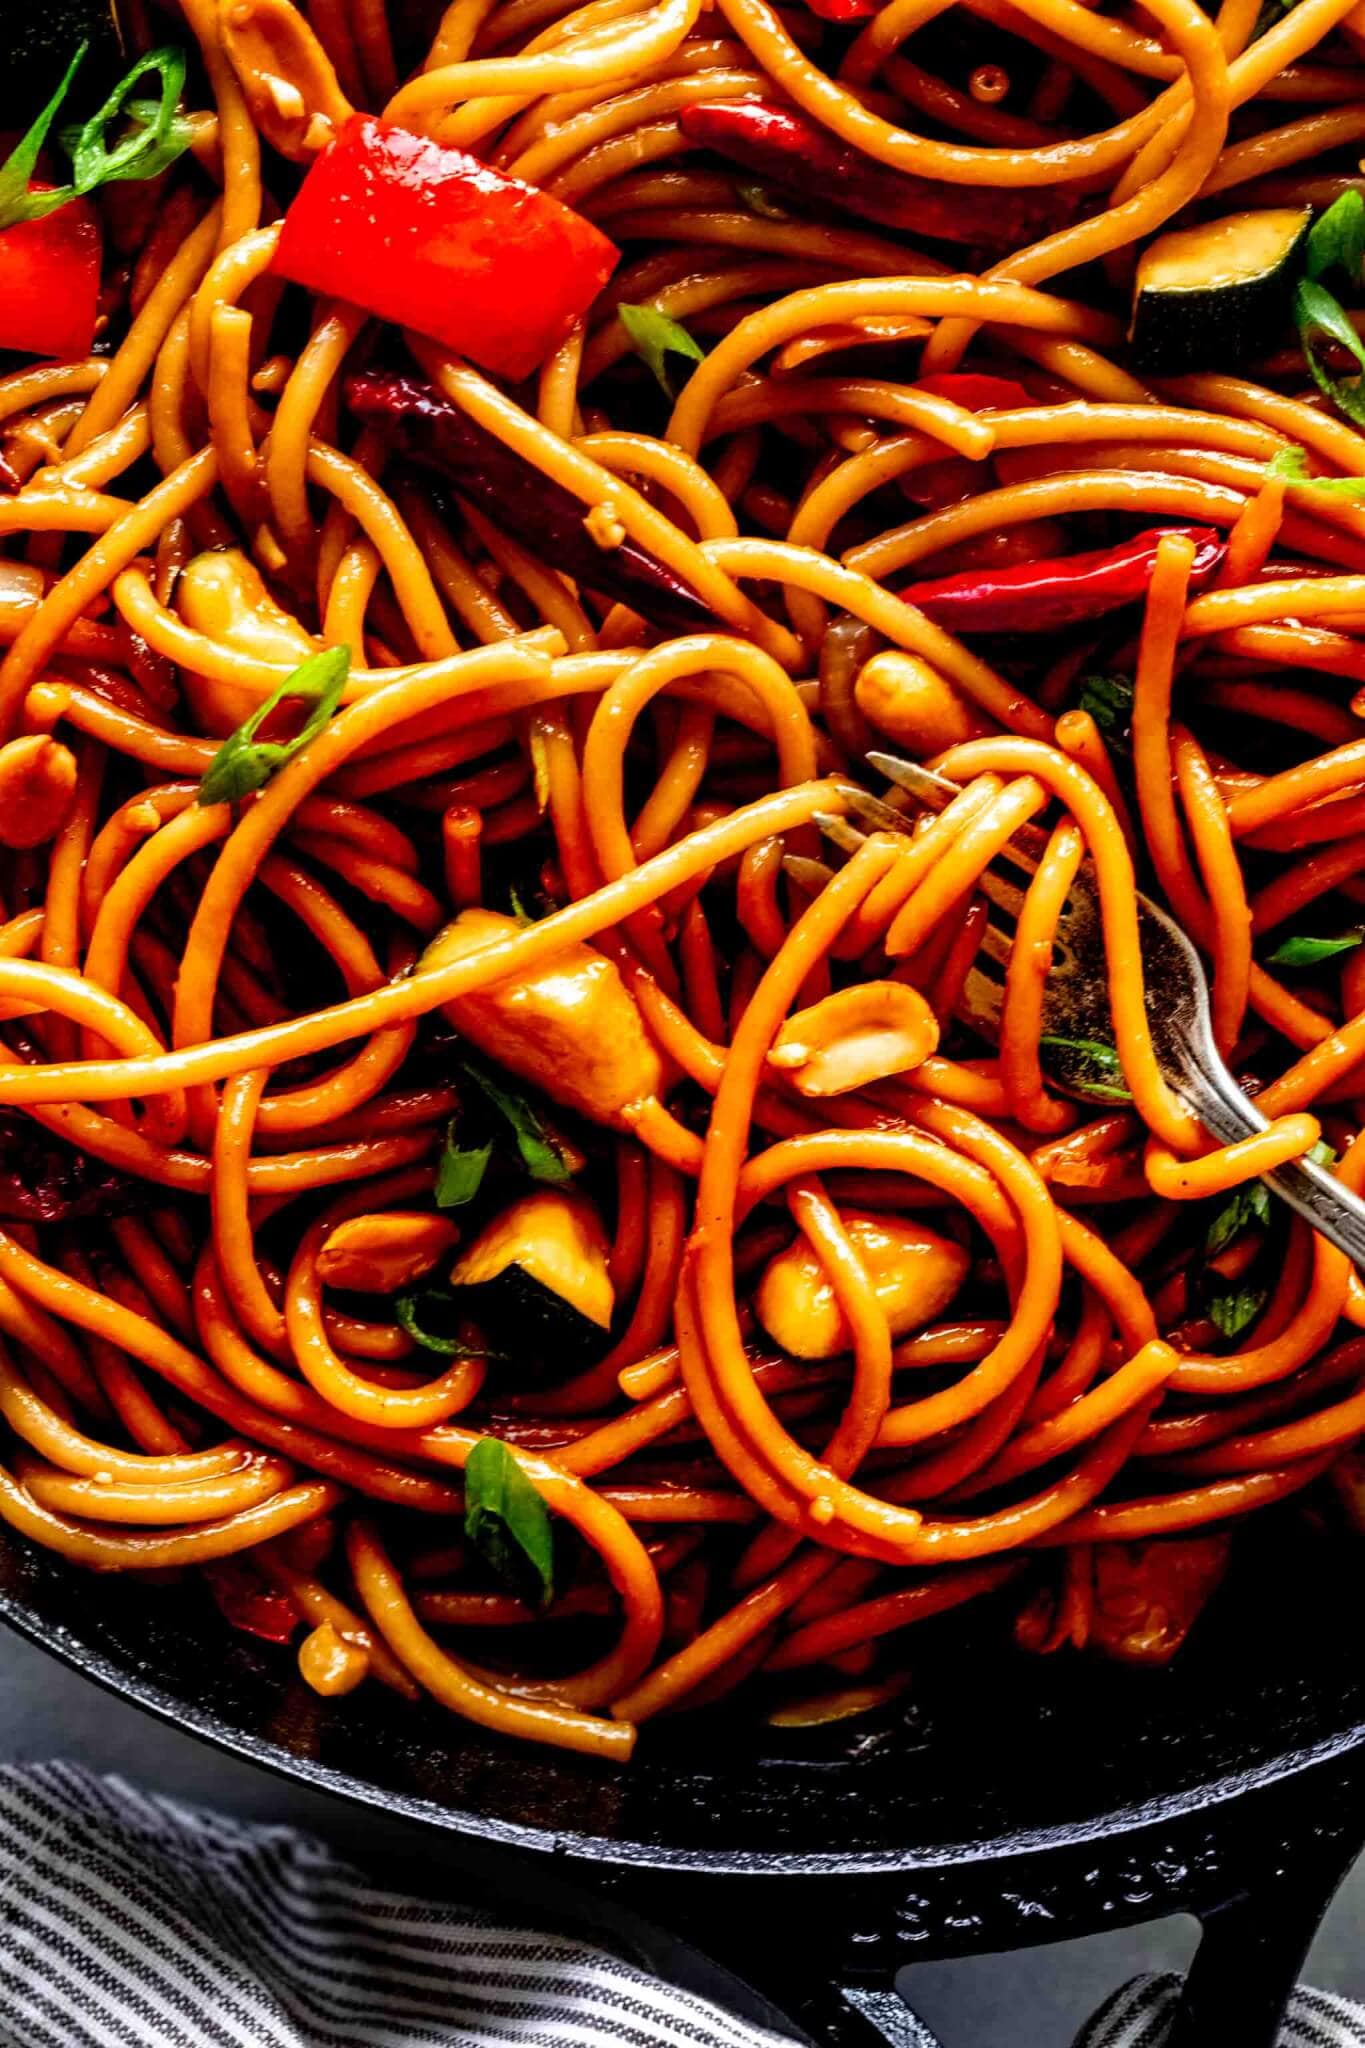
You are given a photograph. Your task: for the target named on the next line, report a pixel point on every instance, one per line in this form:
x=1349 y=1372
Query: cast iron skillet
x=1002 y=1800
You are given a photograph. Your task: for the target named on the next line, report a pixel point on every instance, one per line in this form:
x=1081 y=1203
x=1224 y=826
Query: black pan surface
x=988 y=1754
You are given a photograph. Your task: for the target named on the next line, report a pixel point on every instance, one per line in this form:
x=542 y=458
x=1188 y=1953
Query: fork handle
x=1317 y=1195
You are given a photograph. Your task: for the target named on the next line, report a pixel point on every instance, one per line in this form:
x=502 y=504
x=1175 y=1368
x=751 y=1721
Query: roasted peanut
x=854 y=1037
x=285 y=75
x=379 y=1254
x=569 y=1025
x=913 y=704
x=224 y=597
x=37 y=783
x=914 y=1274
x=331 y=1665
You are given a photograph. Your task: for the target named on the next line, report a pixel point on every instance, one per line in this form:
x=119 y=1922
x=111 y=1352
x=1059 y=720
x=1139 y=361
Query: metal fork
x=1076 y=998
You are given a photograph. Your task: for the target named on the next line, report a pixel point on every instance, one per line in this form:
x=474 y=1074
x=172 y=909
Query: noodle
x=541 y=1063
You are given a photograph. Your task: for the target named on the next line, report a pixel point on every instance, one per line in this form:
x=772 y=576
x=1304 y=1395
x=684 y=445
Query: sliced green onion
x=243 y=763
x=1317 y=312
x=159 y=134
x=655 y=337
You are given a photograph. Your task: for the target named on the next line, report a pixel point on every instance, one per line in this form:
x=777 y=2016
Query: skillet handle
x=857 y=2016
x=1251 y=1951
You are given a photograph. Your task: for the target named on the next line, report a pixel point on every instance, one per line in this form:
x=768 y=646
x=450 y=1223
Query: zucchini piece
x=536 y=1281
x=1208 y=296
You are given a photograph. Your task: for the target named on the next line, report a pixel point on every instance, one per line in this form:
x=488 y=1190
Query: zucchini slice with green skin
x=1208 y=296
x=537 y=1283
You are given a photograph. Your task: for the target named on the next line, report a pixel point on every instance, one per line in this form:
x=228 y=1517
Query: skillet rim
x=1119 y=1821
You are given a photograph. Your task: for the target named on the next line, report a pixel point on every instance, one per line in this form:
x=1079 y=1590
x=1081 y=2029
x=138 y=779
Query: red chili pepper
x=1037 y=597
x=522 y=500
x=790 y=150
x=247 y=1602
x=432 y=239
x=975 y=390
x=50 y=282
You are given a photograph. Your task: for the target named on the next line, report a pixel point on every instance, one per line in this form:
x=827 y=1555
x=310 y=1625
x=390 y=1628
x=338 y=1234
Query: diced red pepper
x=975 y=390
x=249 y=1603
x=50 y=282
x=432 y=239
x=843 y=10
x=1037 y=597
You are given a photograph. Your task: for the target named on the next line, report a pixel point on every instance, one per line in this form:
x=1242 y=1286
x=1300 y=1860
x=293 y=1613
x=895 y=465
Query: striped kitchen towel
x=1139 y=2015
x=130 y=1921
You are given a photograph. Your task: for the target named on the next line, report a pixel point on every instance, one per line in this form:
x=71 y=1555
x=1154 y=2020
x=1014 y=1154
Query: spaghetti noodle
x=501 y=1183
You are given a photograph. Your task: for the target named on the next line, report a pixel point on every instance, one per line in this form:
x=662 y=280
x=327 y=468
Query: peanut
x=331 y=1665
x=37 y=783
x=381 y=1253
x=913 y=704
x=854 y=1037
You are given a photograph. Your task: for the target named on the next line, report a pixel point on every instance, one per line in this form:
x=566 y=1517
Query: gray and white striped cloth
x=1139 y=2016
x=130 y=1921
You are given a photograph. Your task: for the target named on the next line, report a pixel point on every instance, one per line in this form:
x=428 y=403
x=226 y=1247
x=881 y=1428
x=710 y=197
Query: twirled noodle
x=854 y=1315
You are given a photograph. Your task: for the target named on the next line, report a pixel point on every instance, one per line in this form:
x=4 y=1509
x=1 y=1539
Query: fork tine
x=997 y=945
x=980 y=1003
x=871 y=811
x=839 y=832
x=1000 y=891
x=807 y=874
x=935 y=792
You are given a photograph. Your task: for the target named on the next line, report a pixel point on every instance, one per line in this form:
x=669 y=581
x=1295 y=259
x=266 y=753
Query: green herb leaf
x=243 y=763
x=1305 y=952
x=1317 y=312
x=539 y=1153
x=413 y=1312
x=1109 y=700
x=654 y=336
x=1336 y=239
x=1322 y=1154
x=1248 y=1207
x=1102 y=1056
x=159 y=134
x=506 y=1520
x=1292 y=465
x=17 y=203
x=1234 y=1308
x=460 y=1172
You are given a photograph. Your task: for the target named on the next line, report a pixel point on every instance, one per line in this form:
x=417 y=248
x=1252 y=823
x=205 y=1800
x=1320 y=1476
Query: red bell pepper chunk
x=50 y=282
x=975 y=390
x=843 y=10
x=432 y=239
x=1038 y=597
